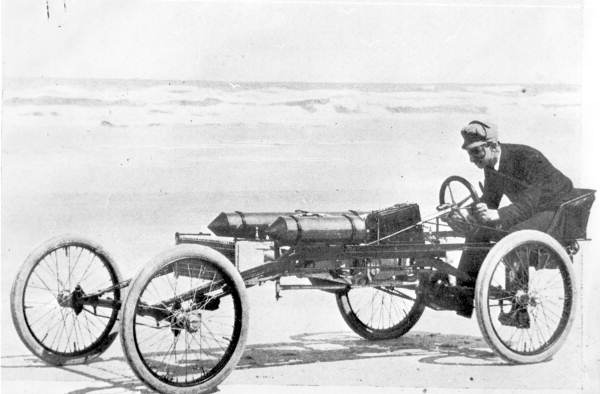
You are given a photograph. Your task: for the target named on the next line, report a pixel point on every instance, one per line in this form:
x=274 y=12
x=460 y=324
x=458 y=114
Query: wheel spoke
x=380 y=313
x=47 y=309
x=72 y=270
x=191 y=345
x=537 y=313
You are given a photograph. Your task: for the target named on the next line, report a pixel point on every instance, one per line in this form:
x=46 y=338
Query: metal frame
x=297 y=260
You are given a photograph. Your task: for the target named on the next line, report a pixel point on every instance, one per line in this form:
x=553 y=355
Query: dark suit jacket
x=529 y=180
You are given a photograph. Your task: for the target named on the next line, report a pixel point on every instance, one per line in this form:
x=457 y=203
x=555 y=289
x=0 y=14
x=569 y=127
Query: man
x=524 y=175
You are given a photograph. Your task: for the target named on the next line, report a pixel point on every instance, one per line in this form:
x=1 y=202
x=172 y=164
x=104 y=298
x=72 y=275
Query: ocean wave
x=196 y=103
x=56 y=100
x=207 y=103
x=307 y=105
x=437 y=108
x=561 y=105
x=40 y=113
x=341 y=109
x=106 y=123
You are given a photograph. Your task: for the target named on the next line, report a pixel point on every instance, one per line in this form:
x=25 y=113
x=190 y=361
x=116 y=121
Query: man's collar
x=497 y=165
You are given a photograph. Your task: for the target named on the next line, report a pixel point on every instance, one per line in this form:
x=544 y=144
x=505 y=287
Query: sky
x=391 y=41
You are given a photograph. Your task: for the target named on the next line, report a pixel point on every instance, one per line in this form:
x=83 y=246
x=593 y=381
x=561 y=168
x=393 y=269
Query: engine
x=390 y=220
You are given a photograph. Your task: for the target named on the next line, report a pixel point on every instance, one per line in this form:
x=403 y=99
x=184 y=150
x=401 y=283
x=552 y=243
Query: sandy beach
x=129 y=163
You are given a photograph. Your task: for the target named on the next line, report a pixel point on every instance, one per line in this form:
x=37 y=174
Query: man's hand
x=485 y=214
x=460 y=214
x=459 y=220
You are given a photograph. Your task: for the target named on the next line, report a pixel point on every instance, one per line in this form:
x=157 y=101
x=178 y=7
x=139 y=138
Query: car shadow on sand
x=431 y=348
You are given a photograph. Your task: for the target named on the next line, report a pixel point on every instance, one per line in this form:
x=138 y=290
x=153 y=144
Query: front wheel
x=50 y=305
x=380 y=313
x=185 y=320
x=526 y=297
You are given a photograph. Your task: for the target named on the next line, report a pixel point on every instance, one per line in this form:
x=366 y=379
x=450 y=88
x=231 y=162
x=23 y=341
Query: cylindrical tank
x=253 y=224
x=343 y=227
x=244 y=224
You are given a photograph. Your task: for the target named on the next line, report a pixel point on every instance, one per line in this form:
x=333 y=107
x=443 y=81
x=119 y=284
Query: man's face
x=482 y=156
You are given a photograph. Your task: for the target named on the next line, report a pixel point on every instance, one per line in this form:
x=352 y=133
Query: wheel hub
x=534 y=299
x=71 y=299
x=189 y=321
x=64 y=298
x=522 y=298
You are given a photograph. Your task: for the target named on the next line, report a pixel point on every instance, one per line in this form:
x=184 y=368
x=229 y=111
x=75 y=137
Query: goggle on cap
x=478 y=133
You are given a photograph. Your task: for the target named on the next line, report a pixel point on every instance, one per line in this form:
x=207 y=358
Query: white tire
x=59 y=333
x=528 y=271
x=191 y=340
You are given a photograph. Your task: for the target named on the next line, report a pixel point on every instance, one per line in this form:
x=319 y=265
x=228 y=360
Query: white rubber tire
x=17 y=301
x=180 y=252
x=484 y=318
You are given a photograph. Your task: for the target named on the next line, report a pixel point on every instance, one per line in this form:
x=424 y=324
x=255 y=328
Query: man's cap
x=478 y=133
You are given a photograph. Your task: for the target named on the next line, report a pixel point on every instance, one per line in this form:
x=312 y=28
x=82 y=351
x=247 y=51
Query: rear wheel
x=380 y=313
x=46 y=301
x=185 y=320
x=526 y=297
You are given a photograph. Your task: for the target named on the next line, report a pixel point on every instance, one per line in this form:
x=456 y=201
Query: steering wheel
x=458 y=192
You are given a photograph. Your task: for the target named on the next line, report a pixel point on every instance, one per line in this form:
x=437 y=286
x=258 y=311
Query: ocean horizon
x=12 y=82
